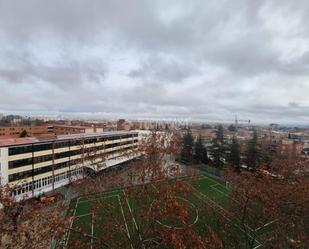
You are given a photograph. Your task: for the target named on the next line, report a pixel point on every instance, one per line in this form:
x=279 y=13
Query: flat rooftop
x=6 y=142
x=73 y=126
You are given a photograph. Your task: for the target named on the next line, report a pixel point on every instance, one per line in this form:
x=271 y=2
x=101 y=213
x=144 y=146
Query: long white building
x=32 y=167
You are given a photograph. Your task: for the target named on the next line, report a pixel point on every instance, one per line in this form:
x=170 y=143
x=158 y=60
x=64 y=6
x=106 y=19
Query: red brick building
x=32 y=131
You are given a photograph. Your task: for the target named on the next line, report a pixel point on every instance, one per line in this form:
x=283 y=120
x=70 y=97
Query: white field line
x=133 y=218
x=71 y=224
x=73 y=218
x=216 y=204
x=208 y=178
x=258 y=246
x=92 y=199
x=266 y=225
x=125 y=221
x=212 y=206
x=76 y=207
x=82 y=215
x=156 y=189
x=216 y=184
x=67 y=235
x=227 y=218
x=257 y=229
x=92 y=225
x=97 y=194
x=197 y=214
x=225 y=194
x=214 y=187
x=222 y=209
x=92 y=220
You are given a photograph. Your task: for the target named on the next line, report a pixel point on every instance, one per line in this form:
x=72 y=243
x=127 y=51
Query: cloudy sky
x=199 y=60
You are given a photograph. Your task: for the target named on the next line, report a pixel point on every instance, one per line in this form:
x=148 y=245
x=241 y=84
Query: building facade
x=74 y=129
x=35 y=167
x=32 y=131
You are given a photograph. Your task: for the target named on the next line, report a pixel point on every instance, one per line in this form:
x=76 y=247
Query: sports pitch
x=119 y=221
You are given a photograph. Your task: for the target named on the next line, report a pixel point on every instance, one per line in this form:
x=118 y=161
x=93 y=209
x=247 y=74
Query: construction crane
x=241 y=120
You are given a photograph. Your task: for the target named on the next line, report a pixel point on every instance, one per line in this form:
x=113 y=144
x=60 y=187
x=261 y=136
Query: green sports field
x=118 y=218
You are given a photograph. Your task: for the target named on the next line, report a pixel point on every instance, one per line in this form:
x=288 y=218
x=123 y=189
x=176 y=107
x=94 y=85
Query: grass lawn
x=119 y=219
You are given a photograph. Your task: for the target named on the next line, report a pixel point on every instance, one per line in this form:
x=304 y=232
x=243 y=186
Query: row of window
x=38 y=171
x=103 y=139
x=29 y=149
x=29 y=173
x=42 y=170
x=28 y=161
x=11 y=133
x=120 y=143
x=49 y=146
x=68 y=174
x=68 y=153
x=27 y=187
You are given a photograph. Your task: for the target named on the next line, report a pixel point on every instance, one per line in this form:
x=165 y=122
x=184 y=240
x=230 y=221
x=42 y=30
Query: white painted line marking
x=99 y=197
x=92 y=225
x=82 y=215
x=71 y=224
x=267 y=224
x=133 y=218
x=92 y=196
x=215 y=205
x=125 y=221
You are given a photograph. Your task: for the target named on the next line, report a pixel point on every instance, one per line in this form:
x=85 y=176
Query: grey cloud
x=165 y=69
x=72 y=73
x=203 y=59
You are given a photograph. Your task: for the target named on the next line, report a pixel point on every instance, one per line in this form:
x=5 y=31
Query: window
x=41 y=147
x=76 y=152
x=61 y=144
x=61 y=165
x=19 y=163
x=62 y=154
x=29 y=173
x=61 y=177
x=90 y=140
x=20 y=150
x=76 y=142
x=23 y=162
x=101 y=139
x=41 y=159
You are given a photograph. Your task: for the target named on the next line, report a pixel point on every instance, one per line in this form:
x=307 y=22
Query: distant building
x=274 y=127
x=32 y=131
x=207 y=135
x=110 y=126
x=291 y=147
x=69 y=129
x=123 y=125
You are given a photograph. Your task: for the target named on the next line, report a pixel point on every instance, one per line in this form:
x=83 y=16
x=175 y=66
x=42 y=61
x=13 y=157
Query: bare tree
x=29 y=223
x=275 y=199
x=153 y=186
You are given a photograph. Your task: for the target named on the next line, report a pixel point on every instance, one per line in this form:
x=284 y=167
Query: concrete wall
x=3 y=166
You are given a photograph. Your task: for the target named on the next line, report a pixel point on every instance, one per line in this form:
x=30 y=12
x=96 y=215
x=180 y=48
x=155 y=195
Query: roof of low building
x=5 y=142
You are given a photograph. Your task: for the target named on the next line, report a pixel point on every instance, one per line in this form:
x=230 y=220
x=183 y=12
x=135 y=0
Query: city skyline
x=204 y=61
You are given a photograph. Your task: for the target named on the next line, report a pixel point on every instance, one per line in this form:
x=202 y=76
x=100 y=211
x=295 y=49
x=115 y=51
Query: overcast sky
x=201 y=60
